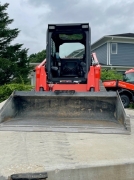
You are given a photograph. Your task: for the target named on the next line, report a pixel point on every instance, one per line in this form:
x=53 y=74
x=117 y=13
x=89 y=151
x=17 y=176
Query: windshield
x=129 y=77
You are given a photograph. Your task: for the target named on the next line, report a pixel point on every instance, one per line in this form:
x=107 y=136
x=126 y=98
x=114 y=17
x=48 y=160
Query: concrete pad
x=130 y=112
x=68 y=155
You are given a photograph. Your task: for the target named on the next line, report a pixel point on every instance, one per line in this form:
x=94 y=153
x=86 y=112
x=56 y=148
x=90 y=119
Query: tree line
x=14 y=60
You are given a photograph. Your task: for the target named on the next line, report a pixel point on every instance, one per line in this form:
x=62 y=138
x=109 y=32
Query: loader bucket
x=95 y=112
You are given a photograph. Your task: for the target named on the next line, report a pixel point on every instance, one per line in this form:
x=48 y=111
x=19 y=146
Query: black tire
x=125 y=100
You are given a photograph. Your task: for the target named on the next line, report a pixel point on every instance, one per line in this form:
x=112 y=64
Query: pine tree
x=14 y=64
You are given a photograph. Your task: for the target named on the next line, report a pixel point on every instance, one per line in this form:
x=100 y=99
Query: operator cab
x=68 y=53
x=128 y=76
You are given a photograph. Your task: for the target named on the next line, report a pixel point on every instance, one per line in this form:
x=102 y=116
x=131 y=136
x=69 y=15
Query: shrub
x=131 y=106
x=7 y=89
x=110 y=75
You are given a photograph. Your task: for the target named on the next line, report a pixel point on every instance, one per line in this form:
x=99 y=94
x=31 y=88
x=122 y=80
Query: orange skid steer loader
x=69 y=96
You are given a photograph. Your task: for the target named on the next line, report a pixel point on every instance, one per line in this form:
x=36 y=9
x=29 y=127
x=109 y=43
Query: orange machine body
x=93 y=79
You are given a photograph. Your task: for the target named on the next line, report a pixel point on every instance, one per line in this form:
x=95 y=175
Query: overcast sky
x=104 y=16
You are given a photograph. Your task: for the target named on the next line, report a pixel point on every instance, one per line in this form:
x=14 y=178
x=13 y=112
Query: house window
x=113 y=48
